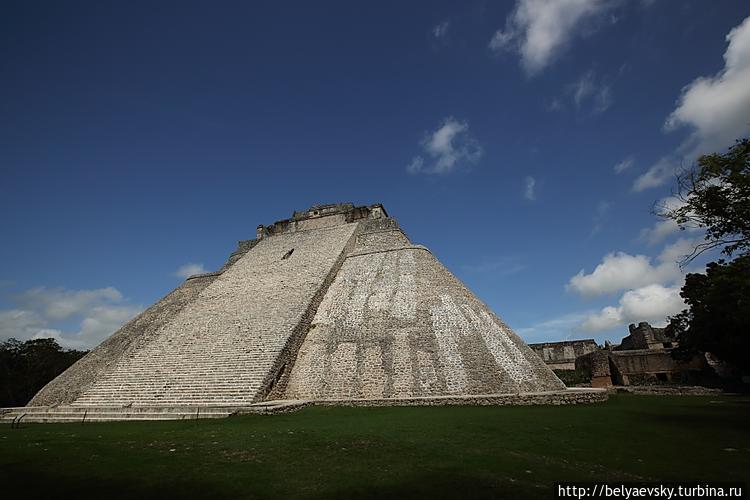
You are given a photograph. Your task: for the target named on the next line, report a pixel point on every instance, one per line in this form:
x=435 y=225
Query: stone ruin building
x=563 y=355
x=643 y=356
x=332 y=304
x=645 y=336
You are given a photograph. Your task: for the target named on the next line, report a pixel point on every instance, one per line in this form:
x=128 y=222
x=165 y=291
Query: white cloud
x=652 y=291
x=45 y=312
x=673 y=253
x=600 y=216
x=652 y=303
x=448 y=148
x=659 y=173
x=64 y=342
x=555 y=105
x=588 y=92
x=440 y=31
x=190 y=269
x=659 y=231
x=607 y=319
x=716 y=109
x=60 y=304
x=622 y=271
x=540 y=29
x=19 y=324
x=623 y=165
x=501 y=40
x=618 y=271
x=529 y=188
x=663 y=228
x=100 y=322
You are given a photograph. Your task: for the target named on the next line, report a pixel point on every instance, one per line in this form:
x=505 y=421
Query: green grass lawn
x=326 y=452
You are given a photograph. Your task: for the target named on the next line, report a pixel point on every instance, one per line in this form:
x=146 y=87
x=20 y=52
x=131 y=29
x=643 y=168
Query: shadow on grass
x=435 y=485
x=444 y=484
x=40 y=485
x=724 y=414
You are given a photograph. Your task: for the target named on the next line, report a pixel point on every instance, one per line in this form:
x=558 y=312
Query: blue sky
x=523 y=142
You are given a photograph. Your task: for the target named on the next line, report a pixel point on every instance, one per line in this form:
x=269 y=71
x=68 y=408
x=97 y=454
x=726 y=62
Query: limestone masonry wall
x=562 y=355
x=333 y=304
x=555 y=398
x=396 y=324
x=222 y=347
x=100 y=361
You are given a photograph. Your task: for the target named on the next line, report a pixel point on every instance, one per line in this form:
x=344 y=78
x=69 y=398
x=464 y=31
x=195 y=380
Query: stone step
x=147 y=416
x=81 y=413
x=175 y=394
x=161 y=394
x=207 y=402
x=176 y=388
x=135 y=371
x=110 y=418
x=170 y=385
x=228 y=378
x=102 y=413
x=77 y=410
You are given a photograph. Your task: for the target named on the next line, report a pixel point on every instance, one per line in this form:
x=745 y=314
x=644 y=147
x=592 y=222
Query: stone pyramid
x=334 y=303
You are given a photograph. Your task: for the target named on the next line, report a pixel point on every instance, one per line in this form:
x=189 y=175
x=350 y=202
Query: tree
x=718 y=318
x=26 y=367
x=716 y=196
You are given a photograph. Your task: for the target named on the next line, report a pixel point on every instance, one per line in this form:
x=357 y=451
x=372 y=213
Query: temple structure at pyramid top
x=334 y=303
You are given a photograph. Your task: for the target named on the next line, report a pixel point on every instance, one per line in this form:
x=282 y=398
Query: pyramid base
x=82 y=414
x=575 y=395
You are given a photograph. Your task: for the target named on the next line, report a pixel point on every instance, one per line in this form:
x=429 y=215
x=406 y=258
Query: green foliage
x=26 y=367
x=718 y=318
x=716 y=197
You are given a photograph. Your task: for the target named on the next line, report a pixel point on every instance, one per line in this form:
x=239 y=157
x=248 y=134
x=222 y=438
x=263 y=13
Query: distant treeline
x=26 y=367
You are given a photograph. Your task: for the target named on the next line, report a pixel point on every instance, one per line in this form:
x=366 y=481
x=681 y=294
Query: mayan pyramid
x=334 y=303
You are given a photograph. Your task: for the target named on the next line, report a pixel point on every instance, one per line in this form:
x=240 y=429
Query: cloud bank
x=44 y=312
x=715 y=108
x=652 y=303
x=652 y=289
x=621 y=271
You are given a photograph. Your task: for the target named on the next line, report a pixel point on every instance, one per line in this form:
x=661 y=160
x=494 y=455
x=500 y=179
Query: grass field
x=416 y=452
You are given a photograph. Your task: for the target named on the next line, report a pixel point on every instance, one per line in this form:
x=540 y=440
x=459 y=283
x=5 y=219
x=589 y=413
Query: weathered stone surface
x=396 y=324
x=334 y=304
x=645 y=336
x=562 y=355
x=98 y=363
x=225 y=346
x=597 y=363
x=563 y=397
